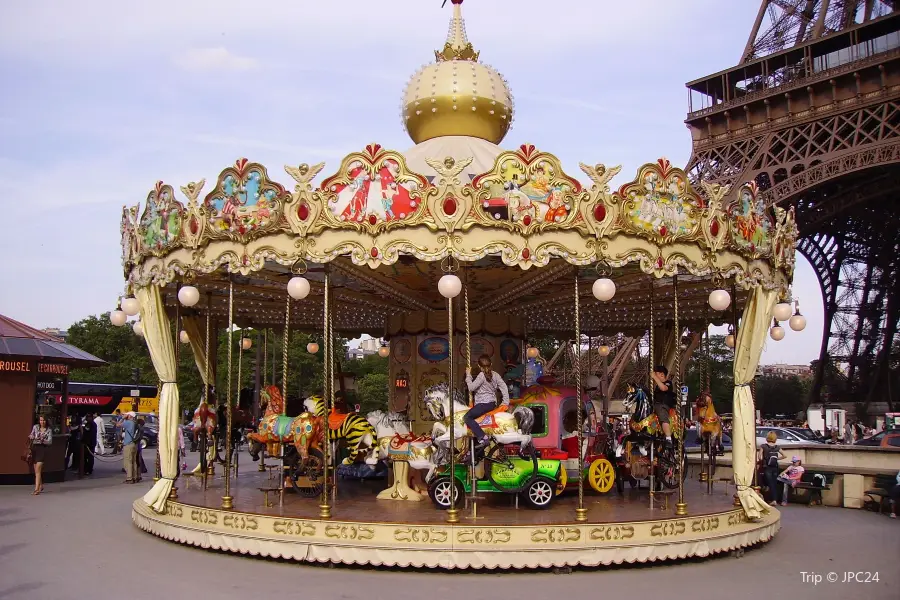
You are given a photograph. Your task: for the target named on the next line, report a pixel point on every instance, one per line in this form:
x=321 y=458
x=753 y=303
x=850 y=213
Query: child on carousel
x=484 y=389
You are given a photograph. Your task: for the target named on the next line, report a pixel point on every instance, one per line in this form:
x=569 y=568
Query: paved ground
x=77 y=541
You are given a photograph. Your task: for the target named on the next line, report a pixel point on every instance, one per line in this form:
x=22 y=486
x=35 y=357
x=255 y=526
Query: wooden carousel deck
x=365 y=530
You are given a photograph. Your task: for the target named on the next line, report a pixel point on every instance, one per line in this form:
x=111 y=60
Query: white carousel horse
x=404 y=450
x=506 y=427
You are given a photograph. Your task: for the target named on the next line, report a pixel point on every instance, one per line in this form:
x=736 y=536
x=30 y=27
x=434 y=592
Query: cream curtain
x=747 y=349
x=192 y=326
x=197 y=336
x=158 y=335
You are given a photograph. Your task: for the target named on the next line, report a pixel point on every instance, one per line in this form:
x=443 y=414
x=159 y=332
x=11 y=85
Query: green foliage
x=780 y=395
x=118 y=346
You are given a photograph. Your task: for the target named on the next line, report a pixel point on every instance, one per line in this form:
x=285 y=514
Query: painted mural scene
x=482 y=353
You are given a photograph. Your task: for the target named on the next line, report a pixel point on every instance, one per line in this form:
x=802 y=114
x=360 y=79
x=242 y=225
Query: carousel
x=459 y=253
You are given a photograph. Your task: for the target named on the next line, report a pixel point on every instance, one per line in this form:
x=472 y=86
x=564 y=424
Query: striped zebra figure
x=357 y=433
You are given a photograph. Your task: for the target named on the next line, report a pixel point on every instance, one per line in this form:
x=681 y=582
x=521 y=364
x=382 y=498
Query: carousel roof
x=519 y=229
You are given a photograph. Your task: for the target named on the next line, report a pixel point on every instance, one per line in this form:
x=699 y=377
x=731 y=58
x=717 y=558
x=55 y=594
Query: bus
x=105 y=398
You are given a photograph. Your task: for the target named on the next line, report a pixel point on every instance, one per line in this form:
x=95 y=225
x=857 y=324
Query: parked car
x=883 y=439
x=691 y=440
x=806 y=433
x=786 y=437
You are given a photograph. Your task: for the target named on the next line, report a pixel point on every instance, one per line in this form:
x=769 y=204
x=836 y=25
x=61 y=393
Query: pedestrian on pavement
x=89 y=442
x=769 y=455
x=100 y=426
x=129 y=448
x=138 y=439
x=41 y=437
x=72 y=444
x=790 y=477
x=895 y=496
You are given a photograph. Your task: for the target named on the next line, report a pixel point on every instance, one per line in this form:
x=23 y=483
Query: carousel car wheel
x=312 y=473
x=601 y=475
x=540 y=492
x=439 y=491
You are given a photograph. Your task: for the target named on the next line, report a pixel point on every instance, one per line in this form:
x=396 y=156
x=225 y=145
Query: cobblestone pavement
x=77 y=541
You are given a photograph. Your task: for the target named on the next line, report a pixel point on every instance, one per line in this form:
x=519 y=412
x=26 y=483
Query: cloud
x=213 y=59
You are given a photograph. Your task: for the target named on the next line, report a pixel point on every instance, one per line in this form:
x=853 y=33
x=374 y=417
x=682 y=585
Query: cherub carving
x=303 y=175
x=600 y=175
x=449 y=169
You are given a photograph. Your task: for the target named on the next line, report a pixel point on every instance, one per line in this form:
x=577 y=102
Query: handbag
x=28 y=455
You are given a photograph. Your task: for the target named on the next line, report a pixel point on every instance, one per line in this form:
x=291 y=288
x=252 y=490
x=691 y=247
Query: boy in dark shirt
x=663 y=399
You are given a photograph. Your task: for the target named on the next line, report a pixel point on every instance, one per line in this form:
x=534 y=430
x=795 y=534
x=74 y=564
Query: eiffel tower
x=811 y=113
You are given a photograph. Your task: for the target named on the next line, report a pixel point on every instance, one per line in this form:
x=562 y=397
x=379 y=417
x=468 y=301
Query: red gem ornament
x=663 y=231
x=526 y=253
x=659 y=263
x=374 y=252
x=303 y=212
x=752 y=247
x=526 y=220
x=372 y=219
x=242 y=230
x=449 y=206
x=195 y=227
x=714 y=228
x=599 y=212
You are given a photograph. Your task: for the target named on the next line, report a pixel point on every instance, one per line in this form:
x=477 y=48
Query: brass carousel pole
x=204 y=442
x=452 y=512
x=681 y=507
x=325 y=506
x=581 y=511
x=473 y=495
x=705 y=475
x=652 y=396
x=227 y=500
x=261 y=379
x=734 y=324
x=237 y=400
x=329 y=407
x=284 y=371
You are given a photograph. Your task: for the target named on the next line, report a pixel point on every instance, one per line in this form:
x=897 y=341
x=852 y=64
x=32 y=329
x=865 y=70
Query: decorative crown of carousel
x=390 y=224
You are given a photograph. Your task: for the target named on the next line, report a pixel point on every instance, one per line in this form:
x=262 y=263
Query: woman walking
x=41 y=437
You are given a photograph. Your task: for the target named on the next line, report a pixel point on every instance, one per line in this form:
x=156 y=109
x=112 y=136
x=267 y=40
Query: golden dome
x=456 y=94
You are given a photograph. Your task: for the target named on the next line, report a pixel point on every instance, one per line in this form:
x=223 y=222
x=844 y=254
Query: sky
x=102 y=98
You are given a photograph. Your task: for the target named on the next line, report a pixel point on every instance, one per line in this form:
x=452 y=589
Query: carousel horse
x=501 y=424
x=303 y=431
x=205 y=420
x=405 y=451
x=645 y=435
x=709 y=425
x=643 y=419
x=357 y=433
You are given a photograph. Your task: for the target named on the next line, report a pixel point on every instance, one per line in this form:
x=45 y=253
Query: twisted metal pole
x=650 y=352
x=581 y=511
x=681 y=507
x=325 y=506
x=204 y=438
x=452 y=512
x=227 y=500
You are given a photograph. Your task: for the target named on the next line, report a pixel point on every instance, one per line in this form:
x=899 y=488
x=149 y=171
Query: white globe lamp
x=384 y=351
x=184 y=337
x=449 y=286
x=188 y=296
x=603 y=350
x=312 y=347
x=604 y=289
x=118 y=317
x=532 y=352
x=298 y=288
x=592 y=382
x=797 y=322
x=138 y=329
x=729 y=340
x=246 y=343
x=719 y=299
x=131 y=306
x=777 y=332
x=782 y=311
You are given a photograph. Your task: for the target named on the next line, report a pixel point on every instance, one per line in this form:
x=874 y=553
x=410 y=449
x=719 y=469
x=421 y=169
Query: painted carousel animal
x=632 y=450
x=303 y=431
x=504 y=426
x=405 y=451
x=357 y=433
x=205 y=420
x=709 y=427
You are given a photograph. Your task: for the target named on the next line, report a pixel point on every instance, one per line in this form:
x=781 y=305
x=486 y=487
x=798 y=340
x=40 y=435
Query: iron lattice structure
x=812 y=115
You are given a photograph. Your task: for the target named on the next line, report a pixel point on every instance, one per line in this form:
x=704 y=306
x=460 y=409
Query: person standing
x=89 y=442
x=100 y=428
x=770 y=454
x=484 y=388
x=41 y=437
x=129 y=448
x=118 y=421
x=72 y=444
x=139 y=448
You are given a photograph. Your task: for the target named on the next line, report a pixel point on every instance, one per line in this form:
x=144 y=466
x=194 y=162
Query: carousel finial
x=457 y=46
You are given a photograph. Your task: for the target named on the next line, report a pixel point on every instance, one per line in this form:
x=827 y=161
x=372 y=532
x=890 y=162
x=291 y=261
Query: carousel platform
x=364 y=530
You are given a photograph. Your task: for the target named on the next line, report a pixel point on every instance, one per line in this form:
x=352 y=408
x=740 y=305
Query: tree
x=720 y=364
x=780 y=396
